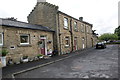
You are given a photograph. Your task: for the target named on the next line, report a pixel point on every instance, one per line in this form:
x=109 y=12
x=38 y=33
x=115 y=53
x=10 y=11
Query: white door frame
x=83 y=42
x=45 y=44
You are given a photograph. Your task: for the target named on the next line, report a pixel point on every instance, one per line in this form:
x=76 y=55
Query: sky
x=103 y=14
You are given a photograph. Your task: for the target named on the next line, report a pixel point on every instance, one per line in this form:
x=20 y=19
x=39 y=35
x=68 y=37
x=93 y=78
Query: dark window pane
x=24 y=39
x=0 y=38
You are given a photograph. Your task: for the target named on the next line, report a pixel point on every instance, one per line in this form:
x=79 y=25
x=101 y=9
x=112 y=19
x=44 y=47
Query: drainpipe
x=71 y=34
x=59 y=35
x=86 y=35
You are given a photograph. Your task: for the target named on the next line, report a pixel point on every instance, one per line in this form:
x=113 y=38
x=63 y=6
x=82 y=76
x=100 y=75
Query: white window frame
x=65 y=23
x=1 y=44
x=90 y=30
x=28 y=39
x=87 y=27
x=82 y=27
x=75 y=26
x=67 y=38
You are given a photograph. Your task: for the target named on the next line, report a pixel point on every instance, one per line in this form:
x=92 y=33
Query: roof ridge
x=12 y=21
x=75 y=18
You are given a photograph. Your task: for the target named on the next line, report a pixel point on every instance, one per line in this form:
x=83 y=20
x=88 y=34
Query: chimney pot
x=81 y=18
x=41 y=0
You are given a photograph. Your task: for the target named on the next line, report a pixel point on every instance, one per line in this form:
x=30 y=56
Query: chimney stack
x=81 y=18
x=41 y=0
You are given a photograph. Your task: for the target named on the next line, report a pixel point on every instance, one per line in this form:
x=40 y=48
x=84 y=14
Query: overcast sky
x=103 y=14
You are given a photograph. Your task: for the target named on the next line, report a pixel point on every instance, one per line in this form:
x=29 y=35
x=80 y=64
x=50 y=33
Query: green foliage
x=39 y=55
x=117 y=31
x=4 y=52
x=113 y=43
x=108 y=36
x=25 y=57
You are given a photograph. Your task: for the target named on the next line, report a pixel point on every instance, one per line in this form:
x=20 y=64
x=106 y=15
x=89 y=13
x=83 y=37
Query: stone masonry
x=48 y=14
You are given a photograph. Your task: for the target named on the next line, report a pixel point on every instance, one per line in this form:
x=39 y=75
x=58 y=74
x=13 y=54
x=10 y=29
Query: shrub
x=4 y=52
x=39 y=55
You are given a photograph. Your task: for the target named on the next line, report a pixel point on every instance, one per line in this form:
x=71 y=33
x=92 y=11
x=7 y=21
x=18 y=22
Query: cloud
x=101 y=13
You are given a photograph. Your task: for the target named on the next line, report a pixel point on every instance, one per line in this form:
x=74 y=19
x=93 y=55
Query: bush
x=113 y=43
x=4 y=52
x=39 y=55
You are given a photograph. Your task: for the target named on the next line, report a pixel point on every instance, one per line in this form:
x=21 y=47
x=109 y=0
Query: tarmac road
x=95 y=63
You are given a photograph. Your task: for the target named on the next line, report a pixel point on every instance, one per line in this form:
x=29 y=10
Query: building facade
x=71 y=34
x=23 y=39
x=63 y=34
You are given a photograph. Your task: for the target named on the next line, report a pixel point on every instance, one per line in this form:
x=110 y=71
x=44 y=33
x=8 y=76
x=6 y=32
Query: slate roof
x=75 y=18
x=18 y=24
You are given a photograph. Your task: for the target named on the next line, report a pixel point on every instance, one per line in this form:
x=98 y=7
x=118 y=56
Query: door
x=42 y=46
x=75 y=43
x=83 y=43
x=92 y=42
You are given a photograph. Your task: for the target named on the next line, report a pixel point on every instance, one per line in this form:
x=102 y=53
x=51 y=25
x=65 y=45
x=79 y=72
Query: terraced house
x=48 y=30
x=23 y=39
x=71 y=34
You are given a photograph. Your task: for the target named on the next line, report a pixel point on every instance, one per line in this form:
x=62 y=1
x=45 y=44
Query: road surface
x=95 y=63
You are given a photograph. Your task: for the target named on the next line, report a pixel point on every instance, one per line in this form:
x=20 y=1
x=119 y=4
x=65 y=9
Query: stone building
x=71 y=34
x=63 y=34
x=24 y=39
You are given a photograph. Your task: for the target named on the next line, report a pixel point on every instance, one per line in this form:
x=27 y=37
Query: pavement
x=7 y=72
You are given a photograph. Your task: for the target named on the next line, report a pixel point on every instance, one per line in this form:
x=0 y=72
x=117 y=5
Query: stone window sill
x=67 y=46
x=25 y=45
x=66 y=28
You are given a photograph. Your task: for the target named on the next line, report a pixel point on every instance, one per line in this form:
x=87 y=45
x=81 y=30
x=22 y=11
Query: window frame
x=75 y=26
x=66 y=23
x=87 y=27
x=28 y=41
x=1 y=44
x=82 y=28
x=67 y=38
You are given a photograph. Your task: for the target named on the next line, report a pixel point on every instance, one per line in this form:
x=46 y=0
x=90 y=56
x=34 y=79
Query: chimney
x=41 y=0
x=81 y=18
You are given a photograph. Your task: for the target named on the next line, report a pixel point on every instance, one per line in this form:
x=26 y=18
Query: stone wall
x=12 y=39
x=73 y=33
x=64 y=33
x=45 y=14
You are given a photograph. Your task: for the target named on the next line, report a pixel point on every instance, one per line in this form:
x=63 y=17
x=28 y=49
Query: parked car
x=100 y=45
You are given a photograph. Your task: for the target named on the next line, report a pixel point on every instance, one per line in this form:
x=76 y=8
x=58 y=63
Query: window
x=1 y=39
x=82 y=27
x=90 y=30
x=83 y=42
x=75 y=26
x=66 y=41
x=66 y=23
x=87 y=29
x=24 y=39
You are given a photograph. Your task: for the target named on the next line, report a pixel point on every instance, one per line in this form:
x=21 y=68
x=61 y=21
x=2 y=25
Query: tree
x=108 y=36
x=117 y=31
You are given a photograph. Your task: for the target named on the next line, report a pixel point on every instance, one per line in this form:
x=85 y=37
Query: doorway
x=43 y=45
x=75 y=43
